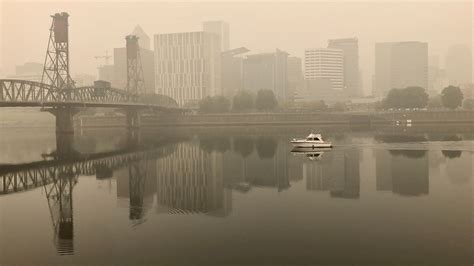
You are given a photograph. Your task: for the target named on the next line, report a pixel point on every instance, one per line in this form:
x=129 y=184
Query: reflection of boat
x=310 y=153
x=311 y=141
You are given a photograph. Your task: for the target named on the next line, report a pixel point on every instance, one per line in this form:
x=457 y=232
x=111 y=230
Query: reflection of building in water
x=137 y=183
x=295 y=171
x=337 y=172
x=271 y=171
x=383 y=170
x=459 y=169
x=267 y=166
x=191 y=180
x=403 y=172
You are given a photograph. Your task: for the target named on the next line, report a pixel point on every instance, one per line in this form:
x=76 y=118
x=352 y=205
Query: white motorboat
x=313 y=141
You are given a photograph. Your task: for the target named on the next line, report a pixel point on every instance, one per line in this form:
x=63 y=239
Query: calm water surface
x=192 y=196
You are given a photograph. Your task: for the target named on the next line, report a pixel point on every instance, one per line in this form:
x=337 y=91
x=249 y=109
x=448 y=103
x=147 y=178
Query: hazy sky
x=96 y=26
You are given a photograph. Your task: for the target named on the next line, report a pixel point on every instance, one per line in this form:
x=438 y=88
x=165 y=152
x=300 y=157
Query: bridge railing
x=25 y=91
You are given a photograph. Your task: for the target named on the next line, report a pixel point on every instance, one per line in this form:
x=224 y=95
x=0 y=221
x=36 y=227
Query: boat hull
x=311 y=145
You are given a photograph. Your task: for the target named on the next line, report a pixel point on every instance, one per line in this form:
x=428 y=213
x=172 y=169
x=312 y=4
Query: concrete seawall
x=275 y=119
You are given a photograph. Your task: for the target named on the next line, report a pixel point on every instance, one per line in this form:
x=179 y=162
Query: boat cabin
x=314 y=137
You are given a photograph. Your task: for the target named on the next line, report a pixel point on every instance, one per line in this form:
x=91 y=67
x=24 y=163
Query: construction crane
x=106 y=57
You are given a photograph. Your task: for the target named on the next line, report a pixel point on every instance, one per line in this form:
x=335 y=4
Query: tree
x=215 y=104
x=410 y=97
x=415 y=97
x=242 y=101
x=468 y=104
x=435 y=102
x=266 y=100
x=451 y=97
x=393 y=99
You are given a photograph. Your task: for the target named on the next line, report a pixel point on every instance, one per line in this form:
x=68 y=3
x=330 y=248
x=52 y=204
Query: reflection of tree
x=409 y=153
x=244 y=146
x=399 y=138
x=210 y=144
x=452 y=138
x=451 y=154
x=266 y=147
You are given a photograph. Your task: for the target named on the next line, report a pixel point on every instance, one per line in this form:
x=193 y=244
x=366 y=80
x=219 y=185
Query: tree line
x=416 y=97
x=410 y=97
x=265 y=100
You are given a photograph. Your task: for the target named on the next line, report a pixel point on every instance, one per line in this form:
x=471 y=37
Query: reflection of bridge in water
x=59 y=176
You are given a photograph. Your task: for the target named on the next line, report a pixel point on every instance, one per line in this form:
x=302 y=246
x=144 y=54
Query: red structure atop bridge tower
x=56 y=63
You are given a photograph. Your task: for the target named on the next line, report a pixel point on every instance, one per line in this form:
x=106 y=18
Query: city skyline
x=270 y=33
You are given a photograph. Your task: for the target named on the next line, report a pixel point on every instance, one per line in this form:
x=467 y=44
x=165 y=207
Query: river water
x=236 y=196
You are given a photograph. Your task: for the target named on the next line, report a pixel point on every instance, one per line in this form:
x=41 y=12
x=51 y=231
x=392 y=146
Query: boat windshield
x=317 y=139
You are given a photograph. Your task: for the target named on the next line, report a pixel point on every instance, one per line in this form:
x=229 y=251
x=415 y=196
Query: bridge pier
x=64 y=118
x=64 y=146
x=133 y=118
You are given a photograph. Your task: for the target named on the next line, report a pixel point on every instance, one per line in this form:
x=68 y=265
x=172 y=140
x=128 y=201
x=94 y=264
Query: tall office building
x=143 y=38
x=350 y=48
x=232 y=71
x=188 y=66
x=325 y=63
x=28 y=71
x=267 y=71
x=147 y=58
x=458 y=65
x=294 y=76
x=220 y=28
x=107 y=73
x=400 y=65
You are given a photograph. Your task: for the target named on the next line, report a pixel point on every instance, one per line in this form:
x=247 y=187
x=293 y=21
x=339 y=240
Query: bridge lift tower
x=56 y=70
x=135 y=79
x=56 y=63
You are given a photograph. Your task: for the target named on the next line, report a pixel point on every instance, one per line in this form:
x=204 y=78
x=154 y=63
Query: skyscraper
x=294 y=76
x=325 y=63
x=267 y=71
x=220 y=28
x=143 y=39
x=350 y=48
x=459 y=65
x=188 y=66
x=400 y=65
x=232 y=71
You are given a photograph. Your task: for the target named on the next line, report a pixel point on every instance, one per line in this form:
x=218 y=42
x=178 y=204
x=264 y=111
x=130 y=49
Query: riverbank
x=281 y=119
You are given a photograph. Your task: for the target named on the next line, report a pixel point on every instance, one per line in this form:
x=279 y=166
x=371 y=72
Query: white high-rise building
x=325 y=63
x=187 y=66
x=220 y=28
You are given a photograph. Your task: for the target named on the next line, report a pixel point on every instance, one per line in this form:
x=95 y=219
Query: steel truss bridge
x=24 y=93
x=28 y=176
